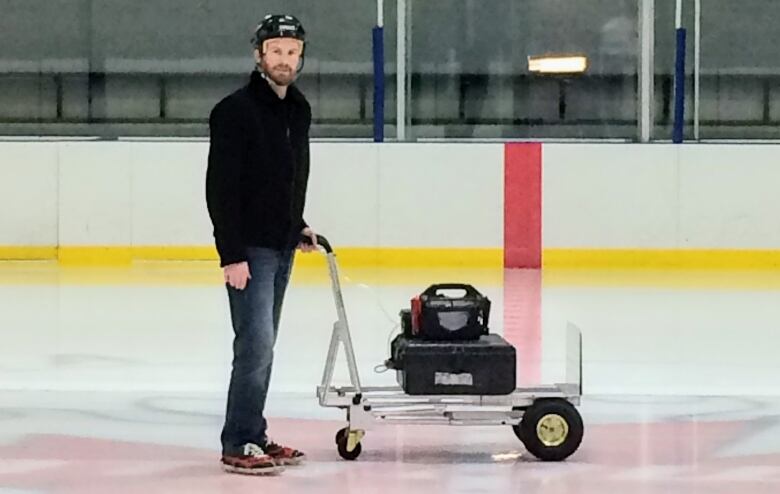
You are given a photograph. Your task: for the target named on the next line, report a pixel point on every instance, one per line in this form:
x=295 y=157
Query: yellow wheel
x=348 y=443
x=551 y=429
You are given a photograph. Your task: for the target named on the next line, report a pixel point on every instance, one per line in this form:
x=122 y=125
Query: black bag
x=438 y=317
x=482 y=367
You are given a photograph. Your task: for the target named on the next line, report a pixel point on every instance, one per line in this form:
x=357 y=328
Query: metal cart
x=544 y=418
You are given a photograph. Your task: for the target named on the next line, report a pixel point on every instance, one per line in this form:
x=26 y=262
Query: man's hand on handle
x=305 y=246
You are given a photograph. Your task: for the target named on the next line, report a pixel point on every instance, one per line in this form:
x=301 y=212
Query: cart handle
x=321 y=241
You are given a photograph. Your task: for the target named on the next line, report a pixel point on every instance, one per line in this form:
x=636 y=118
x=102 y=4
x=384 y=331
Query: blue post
x=679 y=88
x=379 y=84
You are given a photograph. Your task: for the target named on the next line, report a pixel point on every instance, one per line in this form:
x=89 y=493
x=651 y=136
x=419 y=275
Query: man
x=258 y=168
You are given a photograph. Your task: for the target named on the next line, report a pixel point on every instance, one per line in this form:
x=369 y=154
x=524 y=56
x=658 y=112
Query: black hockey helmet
x=278 y=26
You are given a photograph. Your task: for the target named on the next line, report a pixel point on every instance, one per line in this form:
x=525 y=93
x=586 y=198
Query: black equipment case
x=482 y=367
x=437 y=316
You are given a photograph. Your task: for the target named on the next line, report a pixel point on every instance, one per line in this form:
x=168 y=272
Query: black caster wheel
x=342 y=438
x=551 y=429
x=341 y=433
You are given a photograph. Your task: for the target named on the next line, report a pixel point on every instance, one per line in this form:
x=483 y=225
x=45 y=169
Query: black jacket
x=258 y=168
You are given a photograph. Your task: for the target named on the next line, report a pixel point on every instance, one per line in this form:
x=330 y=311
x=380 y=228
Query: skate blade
x=292 y=462
x=267 y=471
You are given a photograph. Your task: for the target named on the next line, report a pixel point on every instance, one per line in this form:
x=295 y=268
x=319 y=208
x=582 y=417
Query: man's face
x=280 y=59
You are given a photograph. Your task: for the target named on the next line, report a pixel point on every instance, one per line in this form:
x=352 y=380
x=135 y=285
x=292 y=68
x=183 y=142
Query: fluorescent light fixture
x=558 y=64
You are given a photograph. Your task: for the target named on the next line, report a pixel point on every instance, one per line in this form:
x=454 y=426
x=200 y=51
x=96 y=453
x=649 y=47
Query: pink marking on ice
x=523 y=321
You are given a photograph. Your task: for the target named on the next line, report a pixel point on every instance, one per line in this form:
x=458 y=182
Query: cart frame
x=366 y=406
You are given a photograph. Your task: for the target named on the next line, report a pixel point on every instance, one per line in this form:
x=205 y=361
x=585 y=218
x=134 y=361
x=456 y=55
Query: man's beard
x=281 y=77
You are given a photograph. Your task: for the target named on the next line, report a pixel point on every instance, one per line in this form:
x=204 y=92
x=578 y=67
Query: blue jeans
x=254 y=312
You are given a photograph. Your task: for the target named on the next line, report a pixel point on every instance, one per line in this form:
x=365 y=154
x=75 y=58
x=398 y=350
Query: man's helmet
x=278 y=26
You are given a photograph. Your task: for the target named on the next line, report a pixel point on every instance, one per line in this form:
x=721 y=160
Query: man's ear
x=258 y=56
